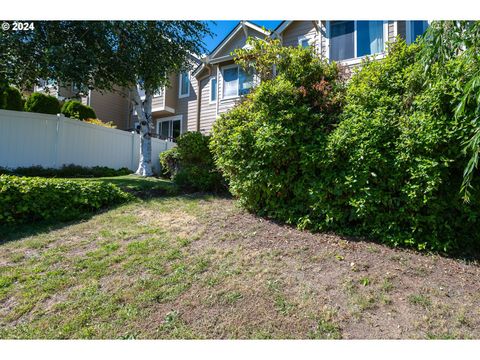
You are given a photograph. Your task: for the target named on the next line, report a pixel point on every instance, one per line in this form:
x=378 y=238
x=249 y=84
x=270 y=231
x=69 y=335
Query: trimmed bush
x=41 y=103
x=387 y=166
x=268 y=146
x=190 y=164
x=76 y=110
x=12 y=99
x=393 y=167
x=25 y=199
x=67 y=171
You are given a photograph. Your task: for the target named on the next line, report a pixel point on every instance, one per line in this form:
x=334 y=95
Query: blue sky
x=221 y=28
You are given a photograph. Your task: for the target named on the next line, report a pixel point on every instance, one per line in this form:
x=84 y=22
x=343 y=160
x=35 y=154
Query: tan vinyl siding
x=391 y=31
x=208 y=112
x=187 y=107
x=158 y=101
x=111 y=106
x=299 y=29
x=171 y=93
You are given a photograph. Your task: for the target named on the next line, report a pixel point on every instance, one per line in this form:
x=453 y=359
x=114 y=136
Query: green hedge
x=67 y=171
x=388 y=168
x=41 y=103
x=267 y=147
x=11 y=99
x=24 y=199
x=76 y=110
x=190 y=164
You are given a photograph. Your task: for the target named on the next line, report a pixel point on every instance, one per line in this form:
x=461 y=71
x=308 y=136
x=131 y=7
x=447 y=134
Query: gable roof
x=241 y=26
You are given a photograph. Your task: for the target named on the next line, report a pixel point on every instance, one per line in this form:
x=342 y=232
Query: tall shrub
x=11 y=99
x=76 y=110
x=393 y=167
x=190 y=164
x=264 y=146
x=41 y=103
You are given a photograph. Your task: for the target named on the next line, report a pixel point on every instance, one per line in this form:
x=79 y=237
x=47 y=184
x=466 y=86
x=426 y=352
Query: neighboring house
x=109 y=107
x=347 y=42
x=195 y=99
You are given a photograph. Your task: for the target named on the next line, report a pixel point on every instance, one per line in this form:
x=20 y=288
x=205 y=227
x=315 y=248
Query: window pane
x=246 y=82
x=164 y=129
x=184 y=84
x=417 y=29
x=175 y=129
x=213 y=90
x=304 y=43
x=369 y=37
x=230 y=82
x=341 y=40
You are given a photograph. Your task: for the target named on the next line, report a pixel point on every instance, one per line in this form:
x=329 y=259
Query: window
x=352 y=39
x=43 y=84
x=170 y=129
x=369 y=37
x=303 y=41
x=213 y=90
x=236 y=81
x=415 y=29
x=184 y=85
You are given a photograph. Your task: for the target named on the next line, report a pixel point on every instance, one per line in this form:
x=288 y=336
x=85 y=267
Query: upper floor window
x=304 y=41
x=236 y=81
x=213 y=90
x=415 y=29
x=351 y=39
x=184 y=85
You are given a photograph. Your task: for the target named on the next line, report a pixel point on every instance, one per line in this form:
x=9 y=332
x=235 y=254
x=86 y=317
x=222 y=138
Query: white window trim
x=358 y=59
x=211 y=91
x=302 y=38
x=170 y=118
x=223 y=82
x=180 y=95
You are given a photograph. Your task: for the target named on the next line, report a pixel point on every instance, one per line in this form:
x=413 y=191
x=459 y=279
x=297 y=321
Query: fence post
x=57 y=143
x=132 y=165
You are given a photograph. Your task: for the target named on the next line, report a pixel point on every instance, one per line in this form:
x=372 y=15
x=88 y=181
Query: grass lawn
x=200 y=267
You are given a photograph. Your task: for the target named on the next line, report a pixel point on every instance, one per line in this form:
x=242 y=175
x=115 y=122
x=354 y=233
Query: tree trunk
x=144 y=114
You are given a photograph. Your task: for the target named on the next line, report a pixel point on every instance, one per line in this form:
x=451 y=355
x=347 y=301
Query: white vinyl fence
x=31 y=139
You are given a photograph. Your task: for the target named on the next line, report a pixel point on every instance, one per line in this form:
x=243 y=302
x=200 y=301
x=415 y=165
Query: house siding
x=112 y=106
x=208 y=112
x=299 y=28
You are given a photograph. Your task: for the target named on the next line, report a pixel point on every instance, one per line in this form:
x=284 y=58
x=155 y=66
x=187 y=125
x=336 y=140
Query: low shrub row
x=11 y=99
x=67 y=171
x=24 y=199
x=190 y=164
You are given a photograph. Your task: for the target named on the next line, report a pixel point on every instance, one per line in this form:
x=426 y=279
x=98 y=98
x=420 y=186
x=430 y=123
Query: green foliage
x=11 y=99
x=41 y=103
x=265 y=147
x=388 y=167
x=76 y=110
x=447 y=40
x=169 y=162
x=393 y=166
x=67 y=171
x=25 y=199
x=190 y=164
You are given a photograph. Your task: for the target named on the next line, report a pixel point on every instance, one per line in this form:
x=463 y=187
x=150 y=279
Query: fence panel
x=30 y=139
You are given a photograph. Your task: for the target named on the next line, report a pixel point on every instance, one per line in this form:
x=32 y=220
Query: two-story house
x=196 y=98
